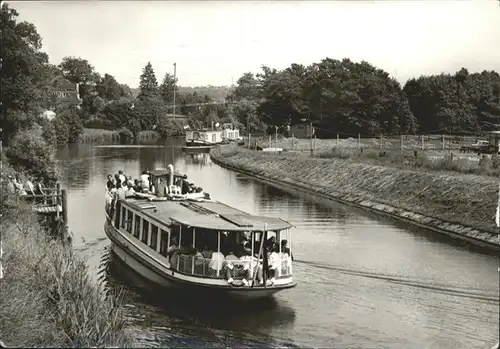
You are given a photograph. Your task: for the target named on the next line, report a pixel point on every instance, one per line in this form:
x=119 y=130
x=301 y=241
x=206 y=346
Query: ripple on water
x=364 y=281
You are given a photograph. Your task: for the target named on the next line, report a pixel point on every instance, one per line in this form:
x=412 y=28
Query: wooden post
x=359 y=140
x=270 y=144
x=422 y=139
x=249 y=137
x=402 y=142
x=337 y=140
x=58 y=186
x=292 y=140
x=381 y=142
x=64 y=204
x=444 y=142
x=314 y=144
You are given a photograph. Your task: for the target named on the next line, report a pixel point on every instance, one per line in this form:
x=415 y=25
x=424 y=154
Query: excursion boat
x=202 y=140
x=190 y=241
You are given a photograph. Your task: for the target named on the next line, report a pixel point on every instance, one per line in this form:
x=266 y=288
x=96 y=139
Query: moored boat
x=187 y=240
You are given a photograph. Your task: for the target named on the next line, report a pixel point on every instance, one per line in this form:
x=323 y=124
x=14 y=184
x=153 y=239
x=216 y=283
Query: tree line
x=345 y=97
x=337 y=96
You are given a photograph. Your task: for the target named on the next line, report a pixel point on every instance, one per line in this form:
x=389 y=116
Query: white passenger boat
x=191 y=241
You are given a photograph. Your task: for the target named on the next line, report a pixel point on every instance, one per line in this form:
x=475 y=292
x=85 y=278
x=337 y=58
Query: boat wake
x=432 y=286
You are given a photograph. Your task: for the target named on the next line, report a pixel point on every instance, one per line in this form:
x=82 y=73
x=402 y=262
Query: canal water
x=363 y=281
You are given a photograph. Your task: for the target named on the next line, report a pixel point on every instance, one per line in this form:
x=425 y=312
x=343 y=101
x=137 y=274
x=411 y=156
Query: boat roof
x=210 y=215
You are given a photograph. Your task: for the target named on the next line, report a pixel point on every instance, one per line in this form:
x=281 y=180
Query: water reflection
x=244 y=321
x=347 y=261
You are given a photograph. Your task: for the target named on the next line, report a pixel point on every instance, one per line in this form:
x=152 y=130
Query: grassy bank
x=388 y=153
x=465 y=199
x=93 y=135
x=47 y=297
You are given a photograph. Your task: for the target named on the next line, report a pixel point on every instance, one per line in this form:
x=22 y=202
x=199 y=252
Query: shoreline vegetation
x=48 y=297
x=460 y=205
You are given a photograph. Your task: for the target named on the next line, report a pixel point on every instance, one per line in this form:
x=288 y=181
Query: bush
x=48 y=297
x=29 y=152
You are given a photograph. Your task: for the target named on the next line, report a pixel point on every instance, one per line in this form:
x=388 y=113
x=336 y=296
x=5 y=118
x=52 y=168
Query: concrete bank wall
x=461 y=206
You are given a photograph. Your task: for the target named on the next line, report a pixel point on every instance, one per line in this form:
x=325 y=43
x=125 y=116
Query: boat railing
x=223 y=269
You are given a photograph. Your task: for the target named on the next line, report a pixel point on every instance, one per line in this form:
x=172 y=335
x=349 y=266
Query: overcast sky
x=215 y=42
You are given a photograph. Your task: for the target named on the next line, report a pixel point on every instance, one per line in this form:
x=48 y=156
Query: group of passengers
x=236 y=259
x=31 y=186
x=123 y=186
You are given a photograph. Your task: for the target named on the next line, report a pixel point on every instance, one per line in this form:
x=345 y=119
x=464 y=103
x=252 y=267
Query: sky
x=215 y=42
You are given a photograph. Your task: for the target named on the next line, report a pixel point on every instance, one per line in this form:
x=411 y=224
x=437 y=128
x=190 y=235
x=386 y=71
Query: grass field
x=404 y=152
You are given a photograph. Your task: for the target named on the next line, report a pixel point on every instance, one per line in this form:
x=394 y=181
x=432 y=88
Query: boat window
x=124 y=217
x=145 y=231
x=154 y=237
x=137 y=227
x=163 y=242
x=128 y=226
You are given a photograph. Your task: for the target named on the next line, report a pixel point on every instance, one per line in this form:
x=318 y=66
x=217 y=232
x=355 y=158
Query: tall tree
x=148 y=84
x=78 y=70
x=167 y=88
x=23 y=73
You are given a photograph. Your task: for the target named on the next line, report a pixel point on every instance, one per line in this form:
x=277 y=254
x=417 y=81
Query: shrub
x=29 y=152
x=49 y=297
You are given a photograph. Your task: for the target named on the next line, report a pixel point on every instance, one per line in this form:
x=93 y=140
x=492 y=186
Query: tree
x=167 y=88
x=148 y=84
x=78 y=70
x=109 y=89
x=22 y=75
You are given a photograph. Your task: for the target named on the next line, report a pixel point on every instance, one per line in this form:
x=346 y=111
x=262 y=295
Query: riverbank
x=100 y=136
x=47 y=295
x=48 y=298
x=459 y=205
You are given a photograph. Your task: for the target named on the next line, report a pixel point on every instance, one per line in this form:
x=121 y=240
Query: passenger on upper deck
x=145 y=179
x=185 y=187
x=130 y=190
x=130 y=180
x=110 y=183
x=120 y=191
x=137 y=186
x=245 y=248
x=122 y=177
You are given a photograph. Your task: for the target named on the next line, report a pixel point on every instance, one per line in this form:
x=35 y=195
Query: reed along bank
x=460 y=205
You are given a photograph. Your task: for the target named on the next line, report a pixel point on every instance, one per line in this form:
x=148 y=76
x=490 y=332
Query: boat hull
x=127 y=257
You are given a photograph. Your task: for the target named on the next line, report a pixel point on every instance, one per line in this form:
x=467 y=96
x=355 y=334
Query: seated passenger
x=198 y=262
x=130 y=181
x=120 y=191
x=244 y=248
x=185 y=187
x=172 y=251
x=285 y=249
x=253 y=269
x=216 y=263
x=137 y=186
x=207 y=253
x=274 y=264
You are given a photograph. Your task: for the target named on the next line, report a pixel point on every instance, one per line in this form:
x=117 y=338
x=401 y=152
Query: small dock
x=52 y=208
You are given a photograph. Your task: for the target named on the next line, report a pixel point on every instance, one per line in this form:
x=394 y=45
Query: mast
x=175 y=74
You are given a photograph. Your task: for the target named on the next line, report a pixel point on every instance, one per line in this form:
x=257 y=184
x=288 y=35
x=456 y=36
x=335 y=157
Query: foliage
x=52 y=301
x=169 y=128
x=22 y=73
x=167 y=89
x=148 y=83
x=456 y=104
x=29 y=152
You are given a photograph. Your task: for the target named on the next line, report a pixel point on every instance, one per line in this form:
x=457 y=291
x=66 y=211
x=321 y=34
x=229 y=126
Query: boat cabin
x=206 y=136
x=209 y=242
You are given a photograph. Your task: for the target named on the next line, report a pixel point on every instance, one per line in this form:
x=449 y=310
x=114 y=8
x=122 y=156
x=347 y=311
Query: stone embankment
x=458 y=205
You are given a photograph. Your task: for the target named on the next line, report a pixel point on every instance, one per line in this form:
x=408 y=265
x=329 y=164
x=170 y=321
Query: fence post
x=337 y=140
x=402 y=142
x=58 y=186
x=64 y=202
x=249 y=137
x=444 y=143
x=422 y=139
x=359 y=140
x=381 y=142
x=292 y=140
x=270 y=144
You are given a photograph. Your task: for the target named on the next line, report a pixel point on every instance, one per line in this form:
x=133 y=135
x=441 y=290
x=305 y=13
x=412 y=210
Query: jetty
x=52 y=208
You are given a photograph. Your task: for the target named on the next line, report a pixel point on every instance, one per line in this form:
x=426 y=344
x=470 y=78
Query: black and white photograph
x=250 y=174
